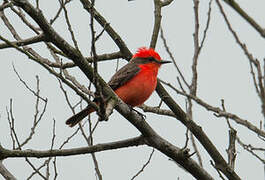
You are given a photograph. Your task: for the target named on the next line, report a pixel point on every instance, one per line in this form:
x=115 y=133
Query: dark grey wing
x=123 y=75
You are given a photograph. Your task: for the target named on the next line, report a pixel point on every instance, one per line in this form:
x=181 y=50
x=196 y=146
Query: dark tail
x=75 y=119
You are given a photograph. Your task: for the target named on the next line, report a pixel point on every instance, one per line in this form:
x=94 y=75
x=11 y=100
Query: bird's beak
x=164 y=62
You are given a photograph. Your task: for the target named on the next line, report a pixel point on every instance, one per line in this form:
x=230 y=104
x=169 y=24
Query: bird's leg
x=102 y=116
x=109 y=104
x=141 y=114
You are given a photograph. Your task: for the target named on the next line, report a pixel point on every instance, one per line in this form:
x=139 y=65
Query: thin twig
x=11 y=121
x=261 y=92
x=70 y=29
x=59 y=12
x=108 y=28
x=37 y=118
x=196 y=150
x=144 y=166
x=22 y=16
x=218 y=171
x=250 y=149
x=26 y=85
x=172 y=57
x=207 y=25
x=219 y=112
x=187 y=139
x=102 y=109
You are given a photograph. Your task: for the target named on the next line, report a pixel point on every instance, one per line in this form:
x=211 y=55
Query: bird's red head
x=144 y=52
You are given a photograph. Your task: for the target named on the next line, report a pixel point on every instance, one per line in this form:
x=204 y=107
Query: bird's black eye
x=152 y=59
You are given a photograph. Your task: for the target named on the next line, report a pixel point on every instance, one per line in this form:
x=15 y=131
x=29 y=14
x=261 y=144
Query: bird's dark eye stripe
x=145 y=60
x=152 y=59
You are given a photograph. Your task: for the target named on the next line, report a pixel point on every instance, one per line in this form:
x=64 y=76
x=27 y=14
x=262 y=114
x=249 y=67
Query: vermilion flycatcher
x=133 y=83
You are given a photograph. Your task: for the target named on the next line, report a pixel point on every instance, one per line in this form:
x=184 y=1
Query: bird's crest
x=144 y=52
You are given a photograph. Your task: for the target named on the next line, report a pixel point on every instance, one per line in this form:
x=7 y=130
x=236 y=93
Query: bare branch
x=157 y=23
x=157 y=110
x=144 y=166
x=157 y=15
x=221 y=113
x=9 y=26
x=37 y=170
x=152 y=138
x=47 y=161
x=11 y=121
x=102 y=110
x=5 y=153
x=102 y=57
x=69 y=138
x=5 y=173
x=15 y=139
x=250 y=58
x=198 y=133
x=22 y=16
x=231 y=151
x=42 y=61
x=217 y=169
x=166 y=2
x=207 y=25
x=70 y=29
x=59 y=11
x=245 y=16
x=5 y=5
x=187 y=139
x=37 y=117
x=113 y=34
x=32 y=40
x=95 y=161
x=250 y=149
x=172 y=57
x=193 y=86
x=196 y=150
x=26 y=85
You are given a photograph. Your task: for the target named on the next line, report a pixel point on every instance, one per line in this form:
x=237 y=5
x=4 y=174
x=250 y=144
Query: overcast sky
x=223 y=74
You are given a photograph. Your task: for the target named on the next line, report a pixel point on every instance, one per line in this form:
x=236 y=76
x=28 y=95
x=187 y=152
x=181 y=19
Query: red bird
x=133 y=83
